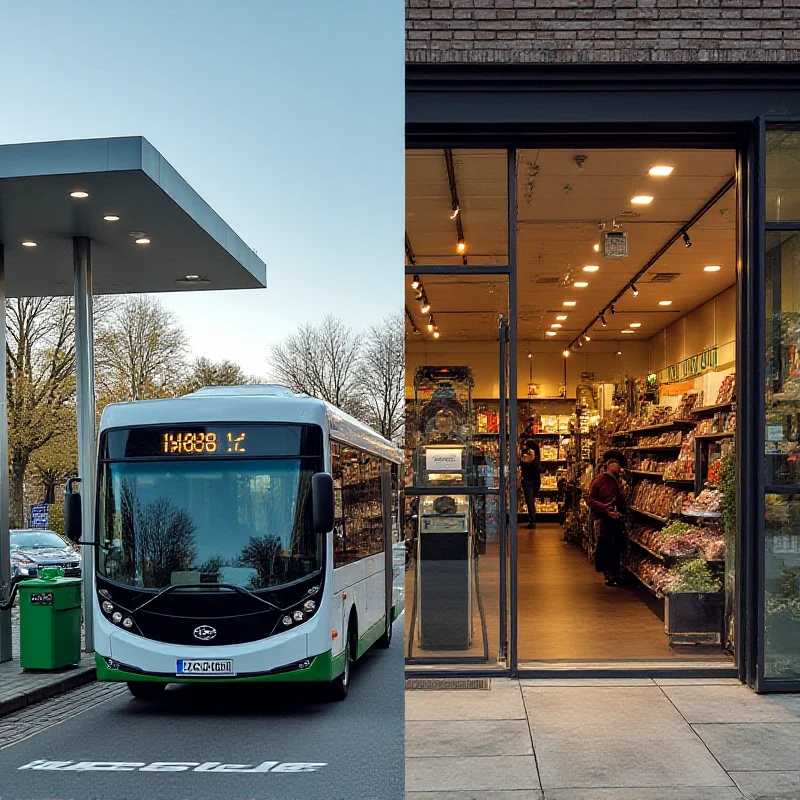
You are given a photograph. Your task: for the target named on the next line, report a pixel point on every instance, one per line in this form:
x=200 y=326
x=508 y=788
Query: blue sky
x=285 y=115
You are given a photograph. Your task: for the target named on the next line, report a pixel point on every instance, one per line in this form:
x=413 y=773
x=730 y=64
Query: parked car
x=32 y=549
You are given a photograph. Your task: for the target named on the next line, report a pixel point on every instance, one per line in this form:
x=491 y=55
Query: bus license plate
x=204 y=666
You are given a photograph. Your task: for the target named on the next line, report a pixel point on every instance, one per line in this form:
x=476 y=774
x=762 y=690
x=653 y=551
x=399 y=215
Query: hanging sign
x=691 y=367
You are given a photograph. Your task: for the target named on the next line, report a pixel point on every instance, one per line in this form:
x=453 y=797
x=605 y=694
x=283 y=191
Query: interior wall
x=713 y=323
x=545 y=367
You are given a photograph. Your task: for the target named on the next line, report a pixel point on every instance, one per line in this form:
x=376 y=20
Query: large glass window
x=244 y=523
x=783 y=174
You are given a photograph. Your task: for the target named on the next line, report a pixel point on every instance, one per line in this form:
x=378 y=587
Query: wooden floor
x=566 y=612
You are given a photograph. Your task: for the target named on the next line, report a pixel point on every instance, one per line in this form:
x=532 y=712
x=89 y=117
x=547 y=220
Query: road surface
x=220 y=743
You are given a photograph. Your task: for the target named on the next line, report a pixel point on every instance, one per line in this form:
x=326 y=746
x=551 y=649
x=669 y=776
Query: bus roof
x=266 y=403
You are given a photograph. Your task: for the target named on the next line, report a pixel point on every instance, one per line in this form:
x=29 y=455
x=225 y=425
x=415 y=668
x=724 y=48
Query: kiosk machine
x=444 y=460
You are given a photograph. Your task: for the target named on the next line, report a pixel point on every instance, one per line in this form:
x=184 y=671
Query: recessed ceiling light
x=712 y=268
x=111 y=218
x=635 y=325
x=661 y=171
x=79 y=195
x=642 y=200
x=665 y=302
x=550 y=333
x=591 y=268
x=580 y=284
x=29 y=243
x=628 y=330
x=561 y=317
x=556 y=325
x=143 y=240
x=570 y=303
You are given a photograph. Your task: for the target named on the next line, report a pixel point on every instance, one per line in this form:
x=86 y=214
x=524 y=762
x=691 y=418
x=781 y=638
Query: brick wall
x=591 y=31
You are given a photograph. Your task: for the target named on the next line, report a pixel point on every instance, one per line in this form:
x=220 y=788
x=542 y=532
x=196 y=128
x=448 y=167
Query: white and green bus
x=242 y=534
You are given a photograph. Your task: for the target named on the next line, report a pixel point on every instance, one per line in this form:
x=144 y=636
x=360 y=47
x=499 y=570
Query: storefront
x=604 y=257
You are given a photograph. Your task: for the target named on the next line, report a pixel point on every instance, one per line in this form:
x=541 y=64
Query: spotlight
x=416 y=282
x=635 y=290
x=613 y=310
x=426 y=306
x=565 y=354
x=686 y=240
x=461 y=246
x=455 y=212
x=436 y=334
x=603 y=320
x=431 y=324
x=587 y=337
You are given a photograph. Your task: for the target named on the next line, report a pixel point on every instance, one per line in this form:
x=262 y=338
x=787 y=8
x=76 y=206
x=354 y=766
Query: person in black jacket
x=530 y=467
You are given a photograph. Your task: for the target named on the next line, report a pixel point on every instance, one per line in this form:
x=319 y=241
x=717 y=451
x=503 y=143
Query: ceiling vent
x=664 y=277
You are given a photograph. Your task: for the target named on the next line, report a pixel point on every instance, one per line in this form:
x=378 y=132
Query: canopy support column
x=84 y=373
x=5 y=540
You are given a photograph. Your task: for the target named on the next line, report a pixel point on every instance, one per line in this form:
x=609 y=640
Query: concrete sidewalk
x=20 y=689
x=620 y=739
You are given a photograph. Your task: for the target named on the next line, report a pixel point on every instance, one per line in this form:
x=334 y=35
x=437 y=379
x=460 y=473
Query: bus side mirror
x=322 y=502
x=73 y=517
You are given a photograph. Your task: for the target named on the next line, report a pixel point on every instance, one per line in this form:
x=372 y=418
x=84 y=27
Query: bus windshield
x=241 y=523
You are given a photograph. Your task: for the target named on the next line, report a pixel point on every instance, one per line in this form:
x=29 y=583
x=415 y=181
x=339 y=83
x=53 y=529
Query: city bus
x=241 y=534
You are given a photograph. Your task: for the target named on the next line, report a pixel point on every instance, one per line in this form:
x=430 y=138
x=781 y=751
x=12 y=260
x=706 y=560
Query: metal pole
x=84 y=373
x=5 y=540
x=512 y=399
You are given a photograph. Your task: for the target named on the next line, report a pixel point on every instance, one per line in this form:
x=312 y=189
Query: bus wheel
x=386 y=639
x=341 y=684
x=142 y=690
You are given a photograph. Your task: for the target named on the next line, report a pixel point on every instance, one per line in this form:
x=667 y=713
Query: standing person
x=530 y=467
x=607 y=502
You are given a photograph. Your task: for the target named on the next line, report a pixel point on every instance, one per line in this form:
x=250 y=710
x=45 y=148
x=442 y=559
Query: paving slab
x=614 y=683
x=468 y=738
x=646 y=793
x=522 y=794
x=483 y=774
x=502 y=701
x=768 y=785
x=759 y=746
x=697 y=681
x=704 y=704
x=605 y=738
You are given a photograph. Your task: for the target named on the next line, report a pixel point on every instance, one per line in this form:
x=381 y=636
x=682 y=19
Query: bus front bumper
x=314 y=669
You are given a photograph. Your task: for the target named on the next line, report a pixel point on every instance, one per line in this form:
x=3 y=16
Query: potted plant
x=695 y=603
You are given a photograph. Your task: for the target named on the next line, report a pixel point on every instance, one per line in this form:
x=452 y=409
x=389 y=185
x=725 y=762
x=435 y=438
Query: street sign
x=40 y=516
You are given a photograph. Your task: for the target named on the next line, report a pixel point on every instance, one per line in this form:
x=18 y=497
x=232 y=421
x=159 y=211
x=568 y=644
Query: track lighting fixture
x=613 y=310
x=436 y=334
x=587 y=337
x=603 y=320
x=415 y=284
x=635 y=290
x=566 y=354
x=686 y=240
x=431 y=323
x=426 y=306
x=455 y=212
x=461 y=246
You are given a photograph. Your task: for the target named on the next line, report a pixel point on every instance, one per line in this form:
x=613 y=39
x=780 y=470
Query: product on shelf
x=658 y=498
x=709 y=501
x=653 y=574
x=683 y=468
x=726 y=391
x=687 y=404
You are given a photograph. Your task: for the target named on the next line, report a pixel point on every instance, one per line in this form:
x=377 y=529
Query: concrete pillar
x=87 y=433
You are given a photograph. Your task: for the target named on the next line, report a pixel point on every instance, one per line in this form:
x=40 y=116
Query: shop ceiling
x=562 y=197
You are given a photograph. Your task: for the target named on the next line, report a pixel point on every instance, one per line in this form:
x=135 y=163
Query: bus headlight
x=116 y=617
x=298 y=616
x=108 y=608
x=309 y=606
x=287 y=620
x=127 y=623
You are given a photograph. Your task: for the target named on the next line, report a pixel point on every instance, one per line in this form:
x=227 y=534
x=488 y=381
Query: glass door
x=456 y=430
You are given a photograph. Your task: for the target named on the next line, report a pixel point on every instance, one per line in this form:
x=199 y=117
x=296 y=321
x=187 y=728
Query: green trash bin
x=49 y=621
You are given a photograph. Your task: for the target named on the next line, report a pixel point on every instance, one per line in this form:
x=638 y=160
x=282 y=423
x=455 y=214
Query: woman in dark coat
x=607 y=502
x=530 y=467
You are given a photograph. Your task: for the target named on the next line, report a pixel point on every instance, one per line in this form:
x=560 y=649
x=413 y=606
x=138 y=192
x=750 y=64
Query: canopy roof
x=126 y=177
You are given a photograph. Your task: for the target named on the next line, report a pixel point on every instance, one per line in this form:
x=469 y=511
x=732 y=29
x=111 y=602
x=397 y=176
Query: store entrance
x=627 y=308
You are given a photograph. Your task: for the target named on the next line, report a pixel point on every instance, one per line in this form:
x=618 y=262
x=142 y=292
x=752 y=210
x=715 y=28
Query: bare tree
x=140 y=352
x=322 y=361
x=204 y=372
x=383 y=376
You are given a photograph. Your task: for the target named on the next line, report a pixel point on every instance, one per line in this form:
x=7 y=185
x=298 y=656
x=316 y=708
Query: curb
x=73 y=680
